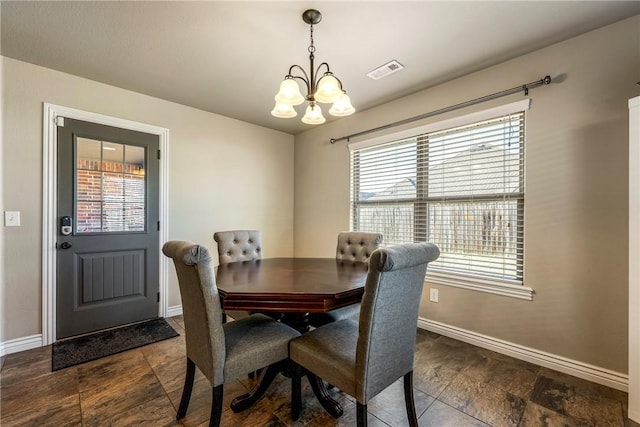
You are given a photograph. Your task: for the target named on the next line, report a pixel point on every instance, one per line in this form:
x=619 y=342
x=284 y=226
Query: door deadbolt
x=66 y=226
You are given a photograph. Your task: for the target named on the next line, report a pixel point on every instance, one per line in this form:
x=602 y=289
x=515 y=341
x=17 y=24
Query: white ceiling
x=229 y=57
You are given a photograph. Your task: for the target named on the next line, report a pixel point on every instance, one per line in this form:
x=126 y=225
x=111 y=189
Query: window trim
x=478 y=116
x=495 y=287
x=503 y=287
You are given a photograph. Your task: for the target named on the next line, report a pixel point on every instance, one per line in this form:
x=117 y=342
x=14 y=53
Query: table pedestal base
x=267 y=376
x=300 y=322
x=320 y=390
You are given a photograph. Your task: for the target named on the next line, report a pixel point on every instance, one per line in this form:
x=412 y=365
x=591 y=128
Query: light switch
x=12 y=218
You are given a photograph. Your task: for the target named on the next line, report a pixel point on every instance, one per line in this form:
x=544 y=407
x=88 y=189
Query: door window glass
x=110 y=187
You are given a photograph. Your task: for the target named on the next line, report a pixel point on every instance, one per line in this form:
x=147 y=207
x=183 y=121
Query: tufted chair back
x=357 y=246
x=238 y=245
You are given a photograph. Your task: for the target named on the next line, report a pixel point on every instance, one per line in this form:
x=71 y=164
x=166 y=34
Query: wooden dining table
x=290 y=289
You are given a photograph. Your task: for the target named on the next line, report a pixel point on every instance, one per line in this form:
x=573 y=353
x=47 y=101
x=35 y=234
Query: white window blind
x=461 y=188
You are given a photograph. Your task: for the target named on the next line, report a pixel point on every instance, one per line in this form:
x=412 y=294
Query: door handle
x=65 y=245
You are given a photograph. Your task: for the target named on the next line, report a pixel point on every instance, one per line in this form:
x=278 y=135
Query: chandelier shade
x=313 y=115
x=289 y=93
x=342 y=107
x=328 y=89
x=284 y=111
x=325 y=89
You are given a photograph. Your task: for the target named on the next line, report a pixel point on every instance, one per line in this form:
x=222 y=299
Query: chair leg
x=361 y=415
x=408 y=399
x=296 y=391
x=224 y=314
x=186 y=390
x=216 y=406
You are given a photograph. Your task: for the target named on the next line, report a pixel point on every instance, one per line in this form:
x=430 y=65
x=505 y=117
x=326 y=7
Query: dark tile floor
x=456 y=384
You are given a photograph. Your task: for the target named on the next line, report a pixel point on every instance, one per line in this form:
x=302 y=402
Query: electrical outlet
x=12 y=218
x=433 y=295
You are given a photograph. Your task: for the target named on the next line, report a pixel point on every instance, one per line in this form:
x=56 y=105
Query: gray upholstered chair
x=364 y=358
x=222 y=352
x=352 y=246
x=238 y=245
x=234 y=246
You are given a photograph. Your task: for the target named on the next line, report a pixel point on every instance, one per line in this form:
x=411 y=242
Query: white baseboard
x=176 y=310
x=34 y=341
x=20 y=344
x=578 y=369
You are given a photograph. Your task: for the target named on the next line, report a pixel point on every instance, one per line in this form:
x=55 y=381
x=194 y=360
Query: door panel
x=108 y=239
x=109 y=275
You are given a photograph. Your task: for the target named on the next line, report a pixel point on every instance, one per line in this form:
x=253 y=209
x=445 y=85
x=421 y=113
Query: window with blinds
x=461 y=188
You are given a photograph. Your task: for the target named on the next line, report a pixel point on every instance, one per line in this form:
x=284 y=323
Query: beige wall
x=576 y=195
x=576 y=188
x=223 y=174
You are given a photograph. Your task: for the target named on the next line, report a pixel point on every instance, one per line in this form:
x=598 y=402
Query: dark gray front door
x=107 y=245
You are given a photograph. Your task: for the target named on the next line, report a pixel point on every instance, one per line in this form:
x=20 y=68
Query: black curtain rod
x=544 y=81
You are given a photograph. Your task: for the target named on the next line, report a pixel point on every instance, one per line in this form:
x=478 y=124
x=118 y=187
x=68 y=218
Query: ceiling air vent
x=385 y=70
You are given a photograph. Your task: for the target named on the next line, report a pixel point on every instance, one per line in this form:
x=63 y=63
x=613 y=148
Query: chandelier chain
x=312 y=48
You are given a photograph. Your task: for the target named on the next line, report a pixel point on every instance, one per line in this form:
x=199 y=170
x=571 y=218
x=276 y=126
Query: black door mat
x=105 y=343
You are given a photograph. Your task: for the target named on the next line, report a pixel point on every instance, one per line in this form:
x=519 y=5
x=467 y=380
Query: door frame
x=634 y=253
x=50 y=197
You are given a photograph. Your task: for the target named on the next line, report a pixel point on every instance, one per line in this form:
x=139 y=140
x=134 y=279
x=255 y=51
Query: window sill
x=481 y=285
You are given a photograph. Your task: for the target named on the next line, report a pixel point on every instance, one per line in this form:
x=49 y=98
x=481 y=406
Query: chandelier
x=326 y=89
